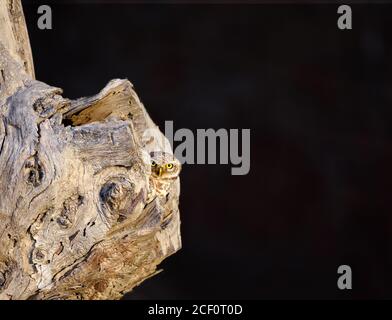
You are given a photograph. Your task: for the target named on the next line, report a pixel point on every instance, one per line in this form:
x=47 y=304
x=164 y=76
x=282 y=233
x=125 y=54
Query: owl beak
x=160 y=171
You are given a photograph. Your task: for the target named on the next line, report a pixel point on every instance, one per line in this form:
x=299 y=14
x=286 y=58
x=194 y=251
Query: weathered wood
x=13 y=34
x=75 y=219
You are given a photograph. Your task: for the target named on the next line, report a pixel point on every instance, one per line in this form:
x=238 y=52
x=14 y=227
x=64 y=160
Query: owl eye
x=169 y=166
x=153 y=164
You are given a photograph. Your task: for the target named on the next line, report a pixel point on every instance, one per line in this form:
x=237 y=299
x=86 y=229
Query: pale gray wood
x=13 y=34
x=75 y=219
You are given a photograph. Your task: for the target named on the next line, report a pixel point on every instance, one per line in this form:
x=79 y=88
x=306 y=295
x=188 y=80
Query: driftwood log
x=75 y=219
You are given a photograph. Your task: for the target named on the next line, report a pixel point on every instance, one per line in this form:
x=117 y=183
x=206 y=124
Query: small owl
x=165 y=169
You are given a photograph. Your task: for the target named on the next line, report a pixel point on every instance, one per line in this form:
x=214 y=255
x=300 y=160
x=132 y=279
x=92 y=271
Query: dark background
x=318 y=101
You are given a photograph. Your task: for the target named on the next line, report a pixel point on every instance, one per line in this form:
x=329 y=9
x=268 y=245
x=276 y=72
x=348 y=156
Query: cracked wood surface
x=75 y=219
x=13 y=34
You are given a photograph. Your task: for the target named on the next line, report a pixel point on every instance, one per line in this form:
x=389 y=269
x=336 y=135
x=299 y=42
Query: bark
x=75 y=218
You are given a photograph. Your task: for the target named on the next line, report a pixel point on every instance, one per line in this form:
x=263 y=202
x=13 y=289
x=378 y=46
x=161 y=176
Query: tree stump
x=75 y=218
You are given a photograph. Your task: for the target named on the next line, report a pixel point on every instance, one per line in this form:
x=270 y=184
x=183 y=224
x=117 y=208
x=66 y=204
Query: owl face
x=164 y=165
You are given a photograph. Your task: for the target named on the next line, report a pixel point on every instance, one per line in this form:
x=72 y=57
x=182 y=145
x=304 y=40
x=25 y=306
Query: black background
x=318 y=102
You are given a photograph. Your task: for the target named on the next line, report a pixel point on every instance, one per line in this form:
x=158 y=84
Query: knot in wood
x=39 y=256
x=47 y=105
x=41 y=105
x=114 y=193
x=68 y=212
x=34 y=171
x=101 y=285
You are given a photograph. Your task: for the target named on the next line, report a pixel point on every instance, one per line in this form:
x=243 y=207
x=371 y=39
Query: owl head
x=164 y=165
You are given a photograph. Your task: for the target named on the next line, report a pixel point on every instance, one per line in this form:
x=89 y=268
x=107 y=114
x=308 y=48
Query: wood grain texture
x=75 y=218
x=13 y=34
